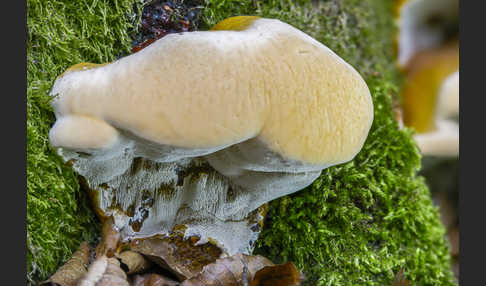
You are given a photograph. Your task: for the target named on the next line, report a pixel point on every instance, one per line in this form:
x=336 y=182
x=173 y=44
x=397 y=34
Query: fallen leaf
x=133 y=262
x=237 y=270
x=110 y=239
x=400 y=279
x=178 y=255
x=153 y=279
x=72 y=270
x=282 y=274
x=105 y=271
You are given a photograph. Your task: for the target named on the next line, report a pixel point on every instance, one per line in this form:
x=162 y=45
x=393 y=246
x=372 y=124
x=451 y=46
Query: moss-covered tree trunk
x=358 y=224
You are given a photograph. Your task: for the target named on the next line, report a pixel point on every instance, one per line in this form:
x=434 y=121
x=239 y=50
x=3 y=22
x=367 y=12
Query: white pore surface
x=207 y=203
x=414 y=33
x=268 y=108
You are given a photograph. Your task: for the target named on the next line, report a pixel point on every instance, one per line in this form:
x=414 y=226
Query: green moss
x=358 y=224
x=361 y=222
x=60 y=34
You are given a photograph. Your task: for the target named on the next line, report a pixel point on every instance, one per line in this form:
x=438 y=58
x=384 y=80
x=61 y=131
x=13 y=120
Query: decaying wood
x=180 y=256
x=134 y=262
x=237 y=270
x=153 y=279
x=110 y=239
x=105 y=271
x=282 y=274
x=74 y=268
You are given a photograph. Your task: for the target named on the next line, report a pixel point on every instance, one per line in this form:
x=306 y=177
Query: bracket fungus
x=200 y=129
x=428 y=51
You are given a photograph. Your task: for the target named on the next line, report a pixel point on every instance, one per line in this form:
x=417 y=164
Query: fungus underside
x=358 y=224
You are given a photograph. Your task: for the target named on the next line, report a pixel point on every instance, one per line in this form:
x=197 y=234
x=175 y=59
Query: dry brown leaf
x=110 y=239
x=400 y=279
x=282 y=274
x=153 y=279
x=134 y=262
x=182 y=257
x=74 y=268
x=237 y=270
x=104 y=271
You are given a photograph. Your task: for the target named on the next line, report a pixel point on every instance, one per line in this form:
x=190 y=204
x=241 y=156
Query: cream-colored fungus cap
x=210 y=90
x=265 y=104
